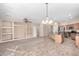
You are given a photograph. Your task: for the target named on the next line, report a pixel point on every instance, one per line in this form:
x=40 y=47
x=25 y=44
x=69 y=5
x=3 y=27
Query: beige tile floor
x=38 y=47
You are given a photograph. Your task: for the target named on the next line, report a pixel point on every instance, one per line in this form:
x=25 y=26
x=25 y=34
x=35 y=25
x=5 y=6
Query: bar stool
x=58 y=38
x=77 y=41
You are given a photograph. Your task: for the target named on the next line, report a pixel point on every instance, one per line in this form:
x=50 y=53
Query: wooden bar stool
x=51 y=37
x=77 y=41
x=58 y=38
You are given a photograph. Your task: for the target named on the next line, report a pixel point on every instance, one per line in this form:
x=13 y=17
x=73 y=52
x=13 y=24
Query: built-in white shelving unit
x=19 y=30
x=6 y=30
x=10 y=30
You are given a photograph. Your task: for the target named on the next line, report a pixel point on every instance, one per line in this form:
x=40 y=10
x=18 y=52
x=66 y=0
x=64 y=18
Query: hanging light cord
x=46 y=9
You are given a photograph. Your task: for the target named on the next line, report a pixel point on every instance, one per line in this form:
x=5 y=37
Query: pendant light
x=47 y=20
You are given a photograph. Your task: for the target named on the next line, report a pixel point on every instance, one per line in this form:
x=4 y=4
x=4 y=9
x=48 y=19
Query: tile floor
x=38 y=47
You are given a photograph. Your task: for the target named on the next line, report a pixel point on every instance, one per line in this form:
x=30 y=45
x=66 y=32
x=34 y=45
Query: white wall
x=34 y=31
x=55 y=29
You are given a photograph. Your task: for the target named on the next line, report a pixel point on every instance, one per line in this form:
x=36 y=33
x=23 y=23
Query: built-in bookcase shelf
x=19 y=32
x=10 y=31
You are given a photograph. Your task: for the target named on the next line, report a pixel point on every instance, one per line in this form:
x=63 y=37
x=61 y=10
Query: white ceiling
x=36 y=11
